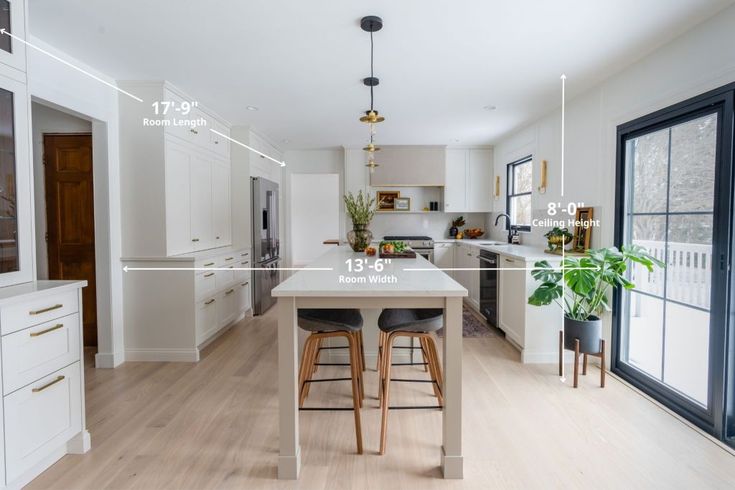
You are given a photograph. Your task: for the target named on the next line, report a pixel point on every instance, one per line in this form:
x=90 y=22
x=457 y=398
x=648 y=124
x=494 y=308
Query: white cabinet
x=416 y=166
x=42 y=407
x=222 y=211
x=176 y=178
x=12 y=51
x=178 y=199
x=172 y=314
x=455 y=187
x=200 y=212
x=465 y=257
x=512 y=298
x=444 y=256
x=479 y=180
x=468 y=186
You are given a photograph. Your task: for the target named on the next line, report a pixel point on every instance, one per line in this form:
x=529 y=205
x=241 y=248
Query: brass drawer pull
x=244 y=263
x=209 y=302
x=55 y=327
x=229 y=258
x=244 y=255
x=194 y=131
x=47 y=385
x=230 y=291
x=209 y=264
x=46 y=310
x=244 y=284
x=210 y=274
x=510 y=260
x=194 y=239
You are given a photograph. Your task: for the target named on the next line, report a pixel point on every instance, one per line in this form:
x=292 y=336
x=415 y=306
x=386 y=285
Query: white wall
x=59 y=86
x=700 y=60
x=326 y=161
x=47 y=120
x=314 y=215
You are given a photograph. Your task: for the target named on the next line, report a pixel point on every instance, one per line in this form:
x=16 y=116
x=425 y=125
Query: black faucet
x=507 y=223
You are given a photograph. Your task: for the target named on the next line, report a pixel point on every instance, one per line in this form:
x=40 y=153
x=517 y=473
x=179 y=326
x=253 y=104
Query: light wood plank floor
x=214 y=425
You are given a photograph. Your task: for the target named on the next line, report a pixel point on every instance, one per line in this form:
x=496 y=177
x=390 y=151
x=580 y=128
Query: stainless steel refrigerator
x=266 y=244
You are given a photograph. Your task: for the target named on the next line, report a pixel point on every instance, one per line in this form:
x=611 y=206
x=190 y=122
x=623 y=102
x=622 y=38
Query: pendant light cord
x=371 y=70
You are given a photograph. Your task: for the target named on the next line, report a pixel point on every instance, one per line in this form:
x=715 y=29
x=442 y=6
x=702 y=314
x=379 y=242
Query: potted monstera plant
x=584 y=296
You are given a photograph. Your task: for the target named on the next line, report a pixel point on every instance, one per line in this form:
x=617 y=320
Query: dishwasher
x=489 y=286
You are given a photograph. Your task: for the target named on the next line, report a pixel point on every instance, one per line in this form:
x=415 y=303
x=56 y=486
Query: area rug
x=474 y=326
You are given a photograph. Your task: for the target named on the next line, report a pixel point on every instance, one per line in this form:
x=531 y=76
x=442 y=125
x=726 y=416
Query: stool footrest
x=335 y=347
x=405 y=380
x=323 y=380
x=332 y=364
x=327 y=409
x=405 y=347
x=409 y=364
x=416 y=407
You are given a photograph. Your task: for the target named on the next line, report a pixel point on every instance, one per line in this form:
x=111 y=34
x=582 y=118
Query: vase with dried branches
x=361 y=209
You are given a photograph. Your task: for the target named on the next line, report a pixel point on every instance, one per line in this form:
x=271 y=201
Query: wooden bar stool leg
x=386 y=392
x=424 y=354
x=358 y=361
x=436 y=368
x=355 y=369
x=561 y=353
x=602 y=363
x=309 y=351
x=379 y=364
x=316 y=354
x=584 y=364
x=576 y=362
x=362 y=351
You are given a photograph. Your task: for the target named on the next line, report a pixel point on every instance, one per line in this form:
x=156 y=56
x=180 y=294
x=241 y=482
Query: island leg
x=451 y=457
x=289 y=458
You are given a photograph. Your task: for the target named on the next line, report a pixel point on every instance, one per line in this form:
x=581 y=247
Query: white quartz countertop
x=340 y=281
x=522 y=252
x=18 y=292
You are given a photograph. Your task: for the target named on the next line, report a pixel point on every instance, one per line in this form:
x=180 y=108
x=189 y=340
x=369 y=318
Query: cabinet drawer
x=207 y=320
x=228 y=307
x=225 y=278
x=41 y=417
x=205 y=283
x=243 y=296
x=242 y=276
x=37 y=351
x=38 y=310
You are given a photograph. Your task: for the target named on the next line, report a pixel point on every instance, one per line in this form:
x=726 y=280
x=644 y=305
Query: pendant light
x=371 y=23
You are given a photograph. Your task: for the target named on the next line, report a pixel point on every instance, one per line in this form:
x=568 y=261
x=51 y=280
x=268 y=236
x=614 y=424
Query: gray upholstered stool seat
x=330 y=320
x=411 y=319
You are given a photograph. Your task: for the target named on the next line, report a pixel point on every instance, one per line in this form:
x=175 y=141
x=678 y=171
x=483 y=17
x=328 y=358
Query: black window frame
x=510 y=190
x=719 y=418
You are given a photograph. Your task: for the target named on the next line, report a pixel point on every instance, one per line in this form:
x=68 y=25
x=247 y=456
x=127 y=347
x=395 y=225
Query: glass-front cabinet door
x=16 y=241
x=12 y=20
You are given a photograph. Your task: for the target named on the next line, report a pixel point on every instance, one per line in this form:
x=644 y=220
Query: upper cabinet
x=13 y=20
x=409 y=167
x=468 y=175
x=176 y=173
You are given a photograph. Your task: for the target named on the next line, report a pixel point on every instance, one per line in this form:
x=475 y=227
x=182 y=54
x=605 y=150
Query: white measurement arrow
x=561 y=269
x=563 y=377
x=136 y=269
x=41 y=50
x=282 y=164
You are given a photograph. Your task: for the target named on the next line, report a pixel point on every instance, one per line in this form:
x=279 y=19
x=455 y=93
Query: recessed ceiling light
x=251 y=108
x=489 y=107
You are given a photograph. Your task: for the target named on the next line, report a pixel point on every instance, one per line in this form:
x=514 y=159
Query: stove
x=422 y=245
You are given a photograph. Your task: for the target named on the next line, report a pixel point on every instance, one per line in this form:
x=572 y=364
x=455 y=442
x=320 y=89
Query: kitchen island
x=345 y=279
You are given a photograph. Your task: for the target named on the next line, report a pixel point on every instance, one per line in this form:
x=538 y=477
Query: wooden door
x=70 y=218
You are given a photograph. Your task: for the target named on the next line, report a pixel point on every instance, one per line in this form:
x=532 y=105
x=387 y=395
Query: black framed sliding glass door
x=674 y=198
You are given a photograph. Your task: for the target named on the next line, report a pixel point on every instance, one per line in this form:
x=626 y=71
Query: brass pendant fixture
x=371 y=24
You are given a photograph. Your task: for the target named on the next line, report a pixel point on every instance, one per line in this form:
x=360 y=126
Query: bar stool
x=412 y=323
x=331 y=323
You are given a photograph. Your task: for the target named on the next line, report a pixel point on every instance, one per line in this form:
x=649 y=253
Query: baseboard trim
x=162 y=355
x=107 y=360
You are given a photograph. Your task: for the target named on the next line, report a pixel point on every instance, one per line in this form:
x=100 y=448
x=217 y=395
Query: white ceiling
x=302 y=62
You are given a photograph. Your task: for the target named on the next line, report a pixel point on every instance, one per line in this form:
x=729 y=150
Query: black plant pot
x=588 y=332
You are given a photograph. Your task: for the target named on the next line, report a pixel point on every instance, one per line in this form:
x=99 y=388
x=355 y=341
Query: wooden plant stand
x=600 y=354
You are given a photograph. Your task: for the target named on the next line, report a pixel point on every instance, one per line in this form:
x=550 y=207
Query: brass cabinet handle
x=229 y=258
x=55 y=327
x=244 y=263
x=194 y=131
x=209 y=302
x=244 y=284
x=209 y=274
x=244 y=255
x=509 y=260
x=194 y=239
x=46 y=310
x=230 y=291
x=208 y=264
x=217 y=238
x=216 y=142
x=47 y=385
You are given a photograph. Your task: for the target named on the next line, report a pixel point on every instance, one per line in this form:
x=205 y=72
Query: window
x=520 y=182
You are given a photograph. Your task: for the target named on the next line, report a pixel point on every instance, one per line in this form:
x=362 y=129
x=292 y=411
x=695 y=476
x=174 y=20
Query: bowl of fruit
x=474 y=232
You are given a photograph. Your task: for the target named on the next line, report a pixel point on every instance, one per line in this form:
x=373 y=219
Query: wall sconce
x=497 y=187
x=542 y=187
